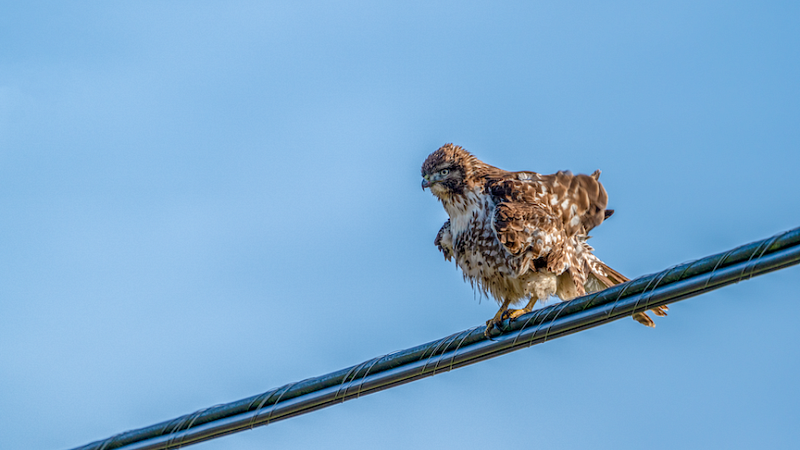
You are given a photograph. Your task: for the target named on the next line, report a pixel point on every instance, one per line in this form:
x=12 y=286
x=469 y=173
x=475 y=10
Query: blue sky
x=205 y=200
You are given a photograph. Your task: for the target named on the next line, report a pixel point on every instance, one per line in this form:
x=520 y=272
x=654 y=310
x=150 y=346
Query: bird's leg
x=512 y=314
x=491 y=323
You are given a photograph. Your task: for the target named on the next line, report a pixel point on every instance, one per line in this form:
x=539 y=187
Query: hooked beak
x=425 y=184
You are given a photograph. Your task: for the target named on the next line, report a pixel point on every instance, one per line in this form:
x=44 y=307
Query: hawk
x=520 y=235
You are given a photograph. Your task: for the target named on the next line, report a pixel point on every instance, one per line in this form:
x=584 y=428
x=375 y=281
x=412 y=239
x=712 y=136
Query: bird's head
x=446 y=171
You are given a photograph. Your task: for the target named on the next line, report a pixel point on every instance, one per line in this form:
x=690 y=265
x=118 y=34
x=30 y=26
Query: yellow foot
x=503 y=314
x=512 y=314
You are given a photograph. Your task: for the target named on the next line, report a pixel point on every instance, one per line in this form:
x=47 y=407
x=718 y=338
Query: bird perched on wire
x=520 y=235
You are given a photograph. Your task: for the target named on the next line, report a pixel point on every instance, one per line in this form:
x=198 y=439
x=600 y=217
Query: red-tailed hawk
x=520 y=235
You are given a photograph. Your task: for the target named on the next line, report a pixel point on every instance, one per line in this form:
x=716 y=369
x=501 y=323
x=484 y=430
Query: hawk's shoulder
x=526 y=227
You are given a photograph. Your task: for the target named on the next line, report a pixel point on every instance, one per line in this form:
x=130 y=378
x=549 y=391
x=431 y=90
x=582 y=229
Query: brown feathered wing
x=546 y=220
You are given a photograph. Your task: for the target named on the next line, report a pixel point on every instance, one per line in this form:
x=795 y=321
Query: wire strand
x=671 y=285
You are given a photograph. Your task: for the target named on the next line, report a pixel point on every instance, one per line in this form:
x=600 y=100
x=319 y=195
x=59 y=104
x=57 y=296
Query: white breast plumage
x=464 y=210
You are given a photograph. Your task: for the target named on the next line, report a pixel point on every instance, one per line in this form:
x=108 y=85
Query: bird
x=520 y=236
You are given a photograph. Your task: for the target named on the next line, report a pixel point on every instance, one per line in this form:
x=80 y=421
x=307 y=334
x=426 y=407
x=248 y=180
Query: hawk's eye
x=444 y=171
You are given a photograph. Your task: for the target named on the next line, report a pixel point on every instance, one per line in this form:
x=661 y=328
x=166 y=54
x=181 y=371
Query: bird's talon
x=491 y=324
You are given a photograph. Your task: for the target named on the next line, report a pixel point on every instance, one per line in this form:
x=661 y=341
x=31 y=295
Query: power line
x=465 y=348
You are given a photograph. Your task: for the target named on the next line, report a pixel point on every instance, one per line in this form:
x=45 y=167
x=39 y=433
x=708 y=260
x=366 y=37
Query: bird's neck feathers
x=457 y=204
x=476 y=172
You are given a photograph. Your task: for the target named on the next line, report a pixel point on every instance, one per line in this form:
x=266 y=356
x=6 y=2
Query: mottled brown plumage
x=518 y=235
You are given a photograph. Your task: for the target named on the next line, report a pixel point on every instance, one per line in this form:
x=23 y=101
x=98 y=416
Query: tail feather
x=610 y=277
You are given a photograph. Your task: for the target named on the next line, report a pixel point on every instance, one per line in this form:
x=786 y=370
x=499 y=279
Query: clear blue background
x=200 y=201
